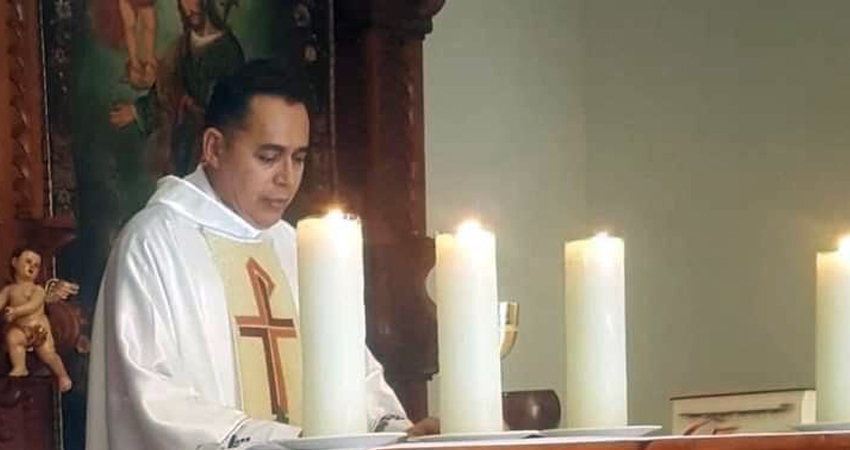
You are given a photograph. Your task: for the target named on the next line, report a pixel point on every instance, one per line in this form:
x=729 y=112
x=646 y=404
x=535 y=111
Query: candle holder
x=508 y=326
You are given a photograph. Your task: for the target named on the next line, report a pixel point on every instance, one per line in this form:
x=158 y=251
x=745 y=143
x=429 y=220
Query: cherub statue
x=27 y=328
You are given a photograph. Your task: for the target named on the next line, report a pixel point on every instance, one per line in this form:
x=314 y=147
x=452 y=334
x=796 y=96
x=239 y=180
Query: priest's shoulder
x=155 y=221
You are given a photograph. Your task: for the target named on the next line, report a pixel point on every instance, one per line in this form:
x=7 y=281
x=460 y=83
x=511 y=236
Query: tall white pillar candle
x=468 y=330
x=832 y=334
x=595 y=333
x=333 y=324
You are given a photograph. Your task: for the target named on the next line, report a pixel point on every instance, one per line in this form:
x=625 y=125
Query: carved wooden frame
x=25 y=107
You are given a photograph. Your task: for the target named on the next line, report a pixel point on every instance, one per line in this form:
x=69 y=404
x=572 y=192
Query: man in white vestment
x=169 y=354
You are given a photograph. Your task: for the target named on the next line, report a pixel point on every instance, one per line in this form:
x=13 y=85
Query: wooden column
x=381 y=161
x=7 y=207
x=22 y=195
x=25 y=215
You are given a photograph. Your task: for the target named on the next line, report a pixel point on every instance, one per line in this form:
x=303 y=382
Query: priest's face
x=256 y=167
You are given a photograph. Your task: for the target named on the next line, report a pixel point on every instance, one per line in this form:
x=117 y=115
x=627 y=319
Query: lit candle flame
x=601 y=235
x=469 y=226
x=334 y=214
x=844 y=246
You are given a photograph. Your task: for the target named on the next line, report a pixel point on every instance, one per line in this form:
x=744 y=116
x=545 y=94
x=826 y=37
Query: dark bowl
x=537 y=409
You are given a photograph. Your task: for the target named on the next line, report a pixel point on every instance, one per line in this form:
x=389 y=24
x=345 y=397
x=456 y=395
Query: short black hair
x=231 y=95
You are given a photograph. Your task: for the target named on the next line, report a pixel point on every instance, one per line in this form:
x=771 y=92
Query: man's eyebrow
x=272 y=147
x=280 y=148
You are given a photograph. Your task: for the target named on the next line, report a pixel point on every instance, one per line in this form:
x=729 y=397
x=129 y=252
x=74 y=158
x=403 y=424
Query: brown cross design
x=270 y=330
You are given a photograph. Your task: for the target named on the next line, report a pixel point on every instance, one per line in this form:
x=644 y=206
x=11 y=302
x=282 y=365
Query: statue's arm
x=4 y=297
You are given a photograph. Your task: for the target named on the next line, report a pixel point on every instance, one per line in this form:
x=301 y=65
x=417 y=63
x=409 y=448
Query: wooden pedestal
x=30 y=414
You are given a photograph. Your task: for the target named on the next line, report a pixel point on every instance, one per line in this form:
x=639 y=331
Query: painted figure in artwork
x=131 y=25
x=26 y=327
x=171 y=112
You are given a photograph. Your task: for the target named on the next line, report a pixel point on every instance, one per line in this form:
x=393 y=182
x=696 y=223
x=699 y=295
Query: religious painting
x=127 y=83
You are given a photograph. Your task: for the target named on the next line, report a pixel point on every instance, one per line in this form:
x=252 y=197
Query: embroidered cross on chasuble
x=265 y=328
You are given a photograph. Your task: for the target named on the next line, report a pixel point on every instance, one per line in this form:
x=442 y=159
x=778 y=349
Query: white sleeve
x=385 y=412
x=254 y=432
x=149 y=401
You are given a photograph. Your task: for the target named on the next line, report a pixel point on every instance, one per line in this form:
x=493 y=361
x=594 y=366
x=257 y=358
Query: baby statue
x=27 y=327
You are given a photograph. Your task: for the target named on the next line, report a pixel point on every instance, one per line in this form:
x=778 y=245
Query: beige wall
x=712 y=135
x=718 y=146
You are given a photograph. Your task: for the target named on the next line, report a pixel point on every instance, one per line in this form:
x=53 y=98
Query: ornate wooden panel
x=29 y=417
x=26 y=94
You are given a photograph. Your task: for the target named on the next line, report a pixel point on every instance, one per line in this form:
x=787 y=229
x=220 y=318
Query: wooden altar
x=375 y=167
x=778 y=441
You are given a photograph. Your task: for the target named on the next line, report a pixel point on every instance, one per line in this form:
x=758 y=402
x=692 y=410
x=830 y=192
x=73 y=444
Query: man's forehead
x=29 y=254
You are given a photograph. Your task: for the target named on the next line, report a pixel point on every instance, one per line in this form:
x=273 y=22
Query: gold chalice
x=508 y=326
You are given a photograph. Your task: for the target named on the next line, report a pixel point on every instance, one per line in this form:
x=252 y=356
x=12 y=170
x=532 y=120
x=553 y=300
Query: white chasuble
x=169 y=350
x=265 y=327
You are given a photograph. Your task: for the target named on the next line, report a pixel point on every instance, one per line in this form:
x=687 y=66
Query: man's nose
x=284 y=173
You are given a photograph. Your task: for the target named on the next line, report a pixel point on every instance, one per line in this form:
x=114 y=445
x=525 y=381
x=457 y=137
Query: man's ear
x=212 y=147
